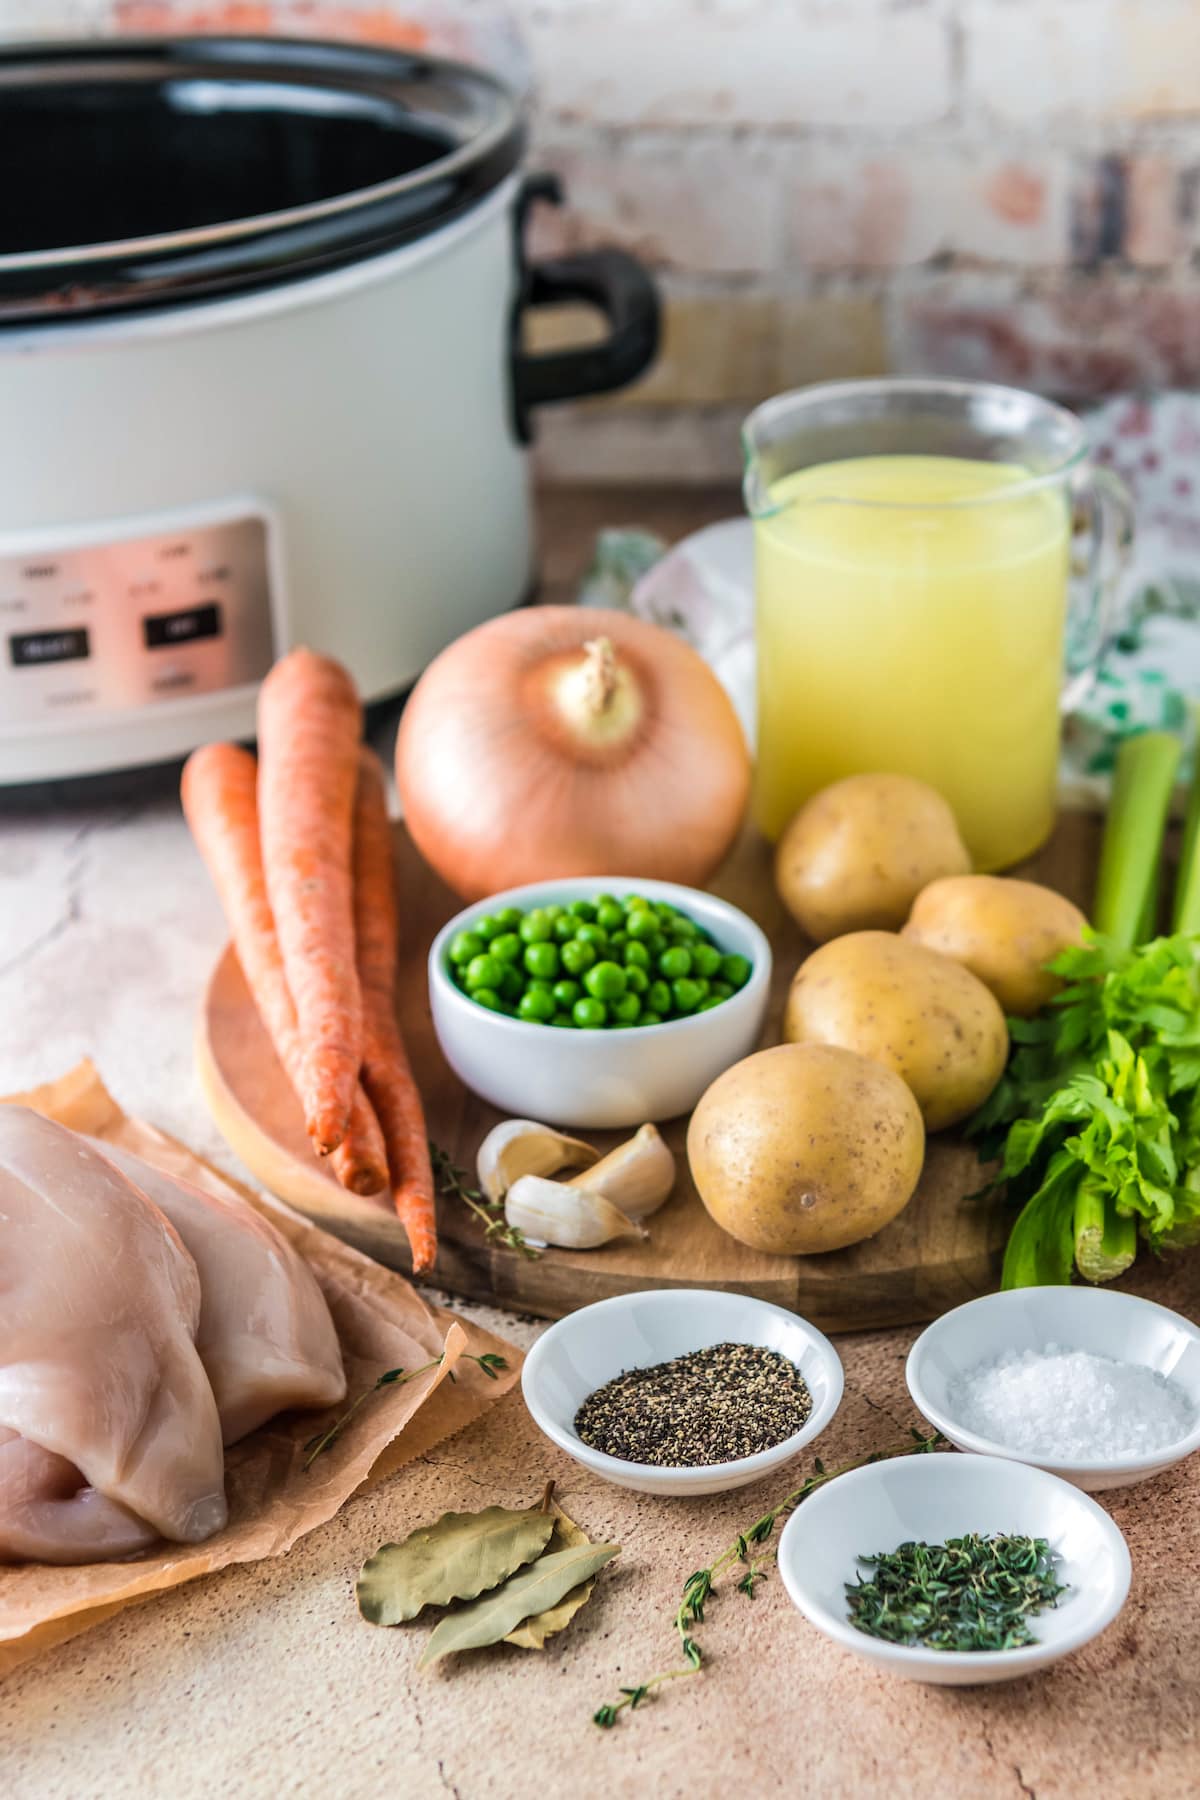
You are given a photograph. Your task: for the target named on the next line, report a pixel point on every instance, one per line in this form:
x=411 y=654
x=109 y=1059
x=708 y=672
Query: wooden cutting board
x=944 y=1248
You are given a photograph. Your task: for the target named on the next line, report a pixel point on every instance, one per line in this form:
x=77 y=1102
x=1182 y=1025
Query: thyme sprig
x=489 y=1362
x=970 y=1593
x=452 y=1180
x=701 y=1585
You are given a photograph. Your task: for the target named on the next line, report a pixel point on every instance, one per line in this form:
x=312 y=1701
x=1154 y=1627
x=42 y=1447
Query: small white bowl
x=606 y=1078
x=633 y=1331
x=934 y=1497
x=1120 y=1326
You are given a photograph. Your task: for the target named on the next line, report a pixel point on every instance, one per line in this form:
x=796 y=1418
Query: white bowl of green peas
x=600 y=1002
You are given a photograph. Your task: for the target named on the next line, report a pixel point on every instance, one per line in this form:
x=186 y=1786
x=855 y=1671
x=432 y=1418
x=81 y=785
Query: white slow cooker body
x=367 y=412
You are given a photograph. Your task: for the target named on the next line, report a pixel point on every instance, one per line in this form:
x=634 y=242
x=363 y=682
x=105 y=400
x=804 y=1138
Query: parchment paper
x=382 y=1323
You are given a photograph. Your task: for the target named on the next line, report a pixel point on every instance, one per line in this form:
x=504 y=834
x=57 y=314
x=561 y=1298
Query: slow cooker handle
x=613 y=282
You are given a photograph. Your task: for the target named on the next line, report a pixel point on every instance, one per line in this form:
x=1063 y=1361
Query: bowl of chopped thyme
x=682 y=1390
x=955 y=1569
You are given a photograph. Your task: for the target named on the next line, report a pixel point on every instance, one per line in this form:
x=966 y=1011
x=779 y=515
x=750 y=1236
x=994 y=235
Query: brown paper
x=382 y=1323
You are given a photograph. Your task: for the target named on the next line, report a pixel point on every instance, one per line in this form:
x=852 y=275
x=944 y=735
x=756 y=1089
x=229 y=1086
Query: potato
x=1004 y=931
x=928 y=1019
x=858 y=854
x=805 y=1148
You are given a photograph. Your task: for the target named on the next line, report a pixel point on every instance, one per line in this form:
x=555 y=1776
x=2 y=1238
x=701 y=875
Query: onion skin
x=504 y=781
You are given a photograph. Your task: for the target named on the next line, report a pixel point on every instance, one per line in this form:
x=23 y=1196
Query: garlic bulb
x=637 y=1176
x=519 y=1147
x=574 y=1218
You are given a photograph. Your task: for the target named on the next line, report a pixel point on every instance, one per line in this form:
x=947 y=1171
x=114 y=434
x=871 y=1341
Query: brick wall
x=1004 y=188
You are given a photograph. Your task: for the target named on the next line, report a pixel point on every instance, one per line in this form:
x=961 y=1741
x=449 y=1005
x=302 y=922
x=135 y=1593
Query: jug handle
x=1112 y=516
x=610 y=280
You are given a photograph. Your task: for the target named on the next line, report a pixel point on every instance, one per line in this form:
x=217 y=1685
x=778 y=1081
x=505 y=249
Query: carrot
x=309 y=725
x=219 y=800
x=387 y=1074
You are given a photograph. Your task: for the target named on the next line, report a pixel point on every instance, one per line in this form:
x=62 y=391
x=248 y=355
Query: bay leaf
x=458 y=1557
x=533 y=1633
x=530 y=1591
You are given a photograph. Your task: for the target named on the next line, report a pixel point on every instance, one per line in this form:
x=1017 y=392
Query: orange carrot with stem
x=309 y=726
x=219 y=800
x=387 y=1074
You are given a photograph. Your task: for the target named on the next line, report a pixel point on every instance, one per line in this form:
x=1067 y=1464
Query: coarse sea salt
x=1071 y=1406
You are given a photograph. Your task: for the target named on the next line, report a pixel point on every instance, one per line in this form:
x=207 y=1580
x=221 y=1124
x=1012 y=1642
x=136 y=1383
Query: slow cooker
x=262 y=378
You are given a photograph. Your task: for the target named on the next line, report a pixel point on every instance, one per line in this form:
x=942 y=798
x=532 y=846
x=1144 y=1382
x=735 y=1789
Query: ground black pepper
x=710 y=1406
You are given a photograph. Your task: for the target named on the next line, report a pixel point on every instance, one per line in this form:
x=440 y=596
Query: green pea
x=512 y=982
x=707 y=1005
x=635 y=955
x=577 y=957
x=566 y=993
x=589 y=1014
x=564 y=928
x=488 y=997
x=636 y=980
x=552 y=910
x=686 y=995
x=610 y=915
x=637 y=903
x=464 y=945
x=681 y=927
x=658 y=997
x=735 y=970
x=509 y=917
x=488 y=927
x=506 y=948
x=706 y=959
x=541 y=959
x=617 y=941
x=675 y=962
x=595 y=935
x=484 y=972
x=647 y=1017
x=563 y=1019
x=582 y=909
x=657 y=942
x=625 y=1010
x=641 y=924
x=719 y=990
x=606 y=981
x=664 y=909
x=536 y=1005
x=703 y=984
x=536 y=926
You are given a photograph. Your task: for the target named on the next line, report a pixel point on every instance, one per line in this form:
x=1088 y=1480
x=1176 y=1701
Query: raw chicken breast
x=99 y=1304
x=265 y=1334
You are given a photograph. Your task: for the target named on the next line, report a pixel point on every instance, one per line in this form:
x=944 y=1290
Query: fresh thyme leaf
x=970 y=1593
x=701 y=1583
x=317 y=1445
x=452 y=1180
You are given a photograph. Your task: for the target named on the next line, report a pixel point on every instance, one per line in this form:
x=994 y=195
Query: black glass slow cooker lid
x=147 y=173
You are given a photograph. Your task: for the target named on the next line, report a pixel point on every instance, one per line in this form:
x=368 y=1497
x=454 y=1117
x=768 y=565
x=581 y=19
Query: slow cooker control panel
x=95 y=623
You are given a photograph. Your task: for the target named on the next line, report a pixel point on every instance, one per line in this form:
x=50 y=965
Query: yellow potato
x=805 y=1148
x=1004 y=931
x=921 y=1015
x=858 y=853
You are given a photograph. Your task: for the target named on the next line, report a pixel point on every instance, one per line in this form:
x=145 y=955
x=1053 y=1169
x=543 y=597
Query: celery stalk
x=1137 y=817
x=1185 y=914
x=1105 y=1242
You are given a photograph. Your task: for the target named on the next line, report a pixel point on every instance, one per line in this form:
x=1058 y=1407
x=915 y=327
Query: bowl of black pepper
x=682 y=1390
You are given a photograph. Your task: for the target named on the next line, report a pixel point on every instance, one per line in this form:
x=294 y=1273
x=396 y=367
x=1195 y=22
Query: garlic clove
x=574 y=1218
x=637 y=1176
x=519 y=1147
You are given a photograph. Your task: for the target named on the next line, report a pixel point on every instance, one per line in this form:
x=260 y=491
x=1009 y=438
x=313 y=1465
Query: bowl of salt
x=1098 y=1387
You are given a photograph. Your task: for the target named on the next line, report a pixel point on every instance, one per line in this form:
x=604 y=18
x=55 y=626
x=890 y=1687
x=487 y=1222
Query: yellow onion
x=565 y=741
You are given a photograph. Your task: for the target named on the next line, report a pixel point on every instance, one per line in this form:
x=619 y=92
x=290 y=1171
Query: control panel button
x=30 y=649
x=162 y=629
